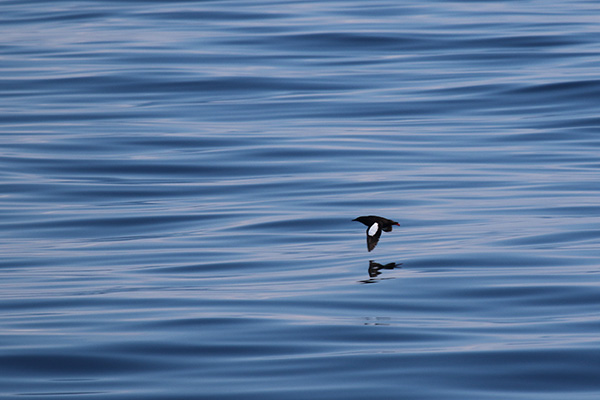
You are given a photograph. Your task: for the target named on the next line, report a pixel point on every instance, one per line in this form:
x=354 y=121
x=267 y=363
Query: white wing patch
x=373 y=229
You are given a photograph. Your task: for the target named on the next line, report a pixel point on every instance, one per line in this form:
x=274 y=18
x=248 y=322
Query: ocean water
x=178 y=181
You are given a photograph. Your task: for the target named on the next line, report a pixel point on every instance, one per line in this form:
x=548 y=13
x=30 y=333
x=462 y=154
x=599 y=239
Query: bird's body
x=375 y=225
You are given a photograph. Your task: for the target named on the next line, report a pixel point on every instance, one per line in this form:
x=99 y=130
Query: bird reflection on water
x=375 y=270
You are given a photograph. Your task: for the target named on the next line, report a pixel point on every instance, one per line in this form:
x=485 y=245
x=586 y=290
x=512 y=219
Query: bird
x=375 y=225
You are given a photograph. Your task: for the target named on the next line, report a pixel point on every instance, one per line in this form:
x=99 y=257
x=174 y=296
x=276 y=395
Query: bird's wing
x=373 y=234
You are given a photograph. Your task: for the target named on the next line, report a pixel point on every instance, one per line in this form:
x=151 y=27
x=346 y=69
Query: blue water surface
x=178 y=181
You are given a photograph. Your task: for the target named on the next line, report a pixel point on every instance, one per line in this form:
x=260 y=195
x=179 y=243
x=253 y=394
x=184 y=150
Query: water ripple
x=179 y=179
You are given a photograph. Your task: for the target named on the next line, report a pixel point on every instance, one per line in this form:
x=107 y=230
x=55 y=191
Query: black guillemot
x=375 y=225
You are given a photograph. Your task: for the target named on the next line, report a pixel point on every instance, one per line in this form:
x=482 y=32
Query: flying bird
x=375 y=225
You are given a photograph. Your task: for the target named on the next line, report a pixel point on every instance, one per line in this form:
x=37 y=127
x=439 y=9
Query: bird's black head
x=364 y=220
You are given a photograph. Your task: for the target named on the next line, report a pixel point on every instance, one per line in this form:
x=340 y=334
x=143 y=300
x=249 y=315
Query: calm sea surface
x=178 y=181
